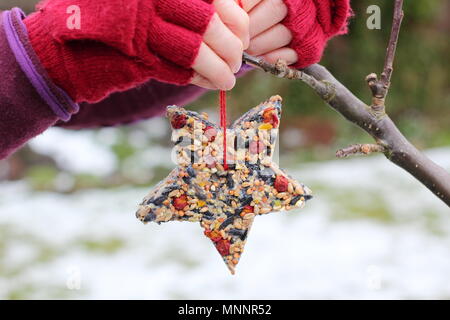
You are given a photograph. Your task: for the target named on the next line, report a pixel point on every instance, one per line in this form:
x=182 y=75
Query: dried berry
x=248 y=209
x=270 y=116
x=180 y=202
x=213 y=235
x=281 y=183
x=178 y=121
x=267 y=114
x=223 y=246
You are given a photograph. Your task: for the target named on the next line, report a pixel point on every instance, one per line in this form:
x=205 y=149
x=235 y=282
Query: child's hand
x=295 y=30
x=117 y=45
x=269 y=38
x=220 y=54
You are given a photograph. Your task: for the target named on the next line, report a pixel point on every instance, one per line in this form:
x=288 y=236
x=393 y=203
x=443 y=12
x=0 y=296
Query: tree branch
x=372 y=119
x=357 y=149
x=392 y=46
x=380 y=87
x=397 y=148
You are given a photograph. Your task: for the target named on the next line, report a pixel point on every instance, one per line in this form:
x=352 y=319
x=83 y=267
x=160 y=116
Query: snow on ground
x=66 y=147
x=370 y=232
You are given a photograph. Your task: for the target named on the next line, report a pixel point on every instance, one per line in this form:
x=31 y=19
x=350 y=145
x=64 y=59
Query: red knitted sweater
x=123 y=43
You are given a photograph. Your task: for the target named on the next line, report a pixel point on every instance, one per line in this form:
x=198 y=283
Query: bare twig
x=281 y=70
x=380 y=87
x=372 y=119
x=359 y=149
x=392 y=46
x=396 y=147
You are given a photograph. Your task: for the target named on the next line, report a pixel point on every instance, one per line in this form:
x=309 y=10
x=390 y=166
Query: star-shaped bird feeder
x=224 y=199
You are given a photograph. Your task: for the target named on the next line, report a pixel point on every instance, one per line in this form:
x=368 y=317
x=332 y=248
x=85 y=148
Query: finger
x=235 y=18
x=276 y=37
x=248 y=5
x=265 y=15
x=213 y=68
x=202 y=82
x=286 y=54
x=224 y=43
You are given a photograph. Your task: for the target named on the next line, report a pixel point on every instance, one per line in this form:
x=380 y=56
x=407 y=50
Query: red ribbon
x=223 y=124
x=223 y=116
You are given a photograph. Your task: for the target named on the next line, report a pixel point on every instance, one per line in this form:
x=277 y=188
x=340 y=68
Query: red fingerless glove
x=120 y=43
x=313 y=23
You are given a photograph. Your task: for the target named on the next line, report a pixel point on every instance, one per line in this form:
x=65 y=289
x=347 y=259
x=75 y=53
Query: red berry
x=180 y=202
x=256 y=147
x=213 y=235
x=275 y=120
x=210 y=133
x=270 y=116
x=248 y=209
x=281 y=183
x=223 y=246
x=178 y=121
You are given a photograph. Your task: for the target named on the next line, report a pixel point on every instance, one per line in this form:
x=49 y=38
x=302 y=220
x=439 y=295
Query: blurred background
x=67 y=199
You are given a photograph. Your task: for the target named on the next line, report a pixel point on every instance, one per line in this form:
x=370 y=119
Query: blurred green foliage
x=41 y=177
x=107 y=246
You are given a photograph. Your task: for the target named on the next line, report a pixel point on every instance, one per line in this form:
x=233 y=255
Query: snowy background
x=371 y=231
x=67 y=200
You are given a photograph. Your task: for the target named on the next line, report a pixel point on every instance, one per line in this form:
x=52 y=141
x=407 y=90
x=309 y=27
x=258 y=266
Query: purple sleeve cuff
x=58 y=100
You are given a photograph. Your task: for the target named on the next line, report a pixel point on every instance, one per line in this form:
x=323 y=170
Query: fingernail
x=250 y=51
x=231 y=82
x=237 y=67
x=246 y=43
